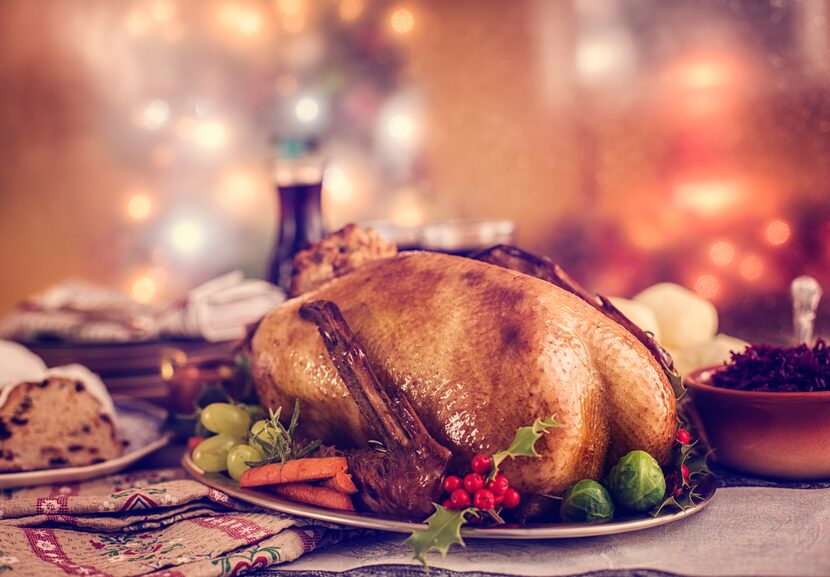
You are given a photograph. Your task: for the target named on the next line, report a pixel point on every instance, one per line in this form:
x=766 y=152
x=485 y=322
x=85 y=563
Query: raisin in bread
x=60 y=417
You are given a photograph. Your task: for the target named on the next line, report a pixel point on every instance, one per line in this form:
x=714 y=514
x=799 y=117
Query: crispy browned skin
x=479 y=351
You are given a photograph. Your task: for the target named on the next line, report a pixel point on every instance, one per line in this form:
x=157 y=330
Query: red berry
x=685 y=470
x=447 y=504
x=481 y=464
x=684 y=437
x=451 y=483
x=512 y=498
x=484 y=499
x=473 y=482
x=476 y=520
x=460 y=499
x=673 y=485
x=498 y=485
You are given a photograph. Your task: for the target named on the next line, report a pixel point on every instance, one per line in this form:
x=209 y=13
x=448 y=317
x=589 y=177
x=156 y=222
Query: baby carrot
x=299 y=470
x=313 y=495
x=342 y=483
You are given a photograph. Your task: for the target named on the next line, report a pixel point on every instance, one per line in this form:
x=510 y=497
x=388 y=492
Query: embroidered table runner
x=146 y=523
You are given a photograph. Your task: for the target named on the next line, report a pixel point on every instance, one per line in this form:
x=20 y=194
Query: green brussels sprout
x=586 y=502
x=636 y=482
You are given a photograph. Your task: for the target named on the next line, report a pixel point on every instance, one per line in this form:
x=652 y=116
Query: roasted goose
x=478 y=350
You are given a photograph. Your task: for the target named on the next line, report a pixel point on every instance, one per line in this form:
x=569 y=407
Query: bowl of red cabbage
x=766 y=412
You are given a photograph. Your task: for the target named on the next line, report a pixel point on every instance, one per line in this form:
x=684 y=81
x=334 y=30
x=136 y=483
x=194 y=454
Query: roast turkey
x=478 y=350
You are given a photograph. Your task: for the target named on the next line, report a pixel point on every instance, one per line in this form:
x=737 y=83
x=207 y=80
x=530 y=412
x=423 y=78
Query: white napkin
x=78 y=311
x=221 y=309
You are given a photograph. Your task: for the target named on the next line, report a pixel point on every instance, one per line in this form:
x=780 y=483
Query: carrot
x=342 y=483
x=314 y=495
x=299 y=470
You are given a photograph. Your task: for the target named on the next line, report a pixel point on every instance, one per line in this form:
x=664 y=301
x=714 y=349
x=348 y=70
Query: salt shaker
x=806 y=294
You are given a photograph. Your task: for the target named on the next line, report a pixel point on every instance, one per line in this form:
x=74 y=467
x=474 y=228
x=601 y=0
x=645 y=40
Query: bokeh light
x=777 y=232
x=143 y=288
x=337 y=185
x=211 y=134
x=402 y=21
x=307 y=109
x=722 y=253
x=140 y=206
x=710 y=198
x=155 y=115
x=401 y=127
x=707 y=286
x=350 y=9
x=187 y=236
x=751 y=267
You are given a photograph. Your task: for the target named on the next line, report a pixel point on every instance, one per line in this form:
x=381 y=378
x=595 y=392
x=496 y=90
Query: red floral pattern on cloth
x=152 y=523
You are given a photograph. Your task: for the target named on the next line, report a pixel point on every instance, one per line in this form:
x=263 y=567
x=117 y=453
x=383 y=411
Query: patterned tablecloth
x=160 y=523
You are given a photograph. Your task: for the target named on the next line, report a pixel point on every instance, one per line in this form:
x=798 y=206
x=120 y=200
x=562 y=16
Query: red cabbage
x=766 y=368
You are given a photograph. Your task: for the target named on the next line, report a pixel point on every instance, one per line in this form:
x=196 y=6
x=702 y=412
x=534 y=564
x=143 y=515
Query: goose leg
x=406 y=477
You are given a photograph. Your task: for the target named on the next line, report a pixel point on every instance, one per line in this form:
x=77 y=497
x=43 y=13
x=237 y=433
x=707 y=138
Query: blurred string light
x=605 y=56
x=337 y=185
x=401 y=127
x=293 y=14
x=187 y=236
x=722 y=253
x=162 y=10
x=245 y=20
x=146 y=285
x=711 y=197
x=707 y=286
x=307 y=110
x=777 y=232
x=751 y=267
x=402 y=21
x=139 y=206
x=143 y=288
x=155 y=115
x=350 y=9
x=207 y=134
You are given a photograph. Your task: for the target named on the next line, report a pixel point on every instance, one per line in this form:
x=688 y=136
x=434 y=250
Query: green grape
x=239 y=457
x=226 y=418
x=211 y=455
x=261 y=433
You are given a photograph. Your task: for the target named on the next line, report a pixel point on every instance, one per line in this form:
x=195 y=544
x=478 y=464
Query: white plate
x=370 y=521
x=140 y=424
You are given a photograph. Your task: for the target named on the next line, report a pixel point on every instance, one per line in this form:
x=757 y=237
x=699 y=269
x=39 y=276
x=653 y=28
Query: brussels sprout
x=636 y=482
x=586 y=502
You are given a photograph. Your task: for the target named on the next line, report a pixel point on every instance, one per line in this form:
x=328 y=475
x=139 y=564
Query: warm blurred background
x=633 y=141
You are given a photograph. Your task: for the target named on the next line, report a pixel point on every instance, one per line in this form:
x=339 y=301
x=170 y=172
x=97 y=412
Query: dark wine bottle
x=299 y=186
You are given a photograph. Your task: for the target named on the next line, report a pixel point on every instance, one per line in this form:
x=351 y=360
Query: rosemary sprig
x=278 y=443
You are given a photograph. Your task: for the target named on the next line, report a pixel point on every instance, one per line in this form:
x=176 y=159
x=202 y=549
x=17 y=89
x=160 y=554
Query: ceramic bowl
x=779 y=435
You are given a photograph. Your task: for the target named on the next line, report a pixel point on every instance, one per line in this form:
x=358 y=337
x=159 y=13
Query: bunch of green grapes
x=229 y=449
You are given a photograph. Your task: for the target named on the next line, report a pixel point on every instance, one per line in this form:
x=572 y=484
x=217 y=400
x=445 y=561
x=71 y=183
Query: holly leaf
x=676 y=383
x=524 y=443
x=443 y=530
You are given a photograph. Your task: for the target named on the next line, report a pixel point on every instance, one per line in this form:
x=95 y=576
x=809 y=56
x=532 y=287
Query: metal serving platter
x=270 y=501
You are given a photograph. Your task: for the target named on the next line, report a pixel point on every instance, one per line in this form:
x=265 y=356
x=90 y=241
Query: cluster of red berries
x=674 y=485
x=475 y=490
